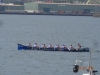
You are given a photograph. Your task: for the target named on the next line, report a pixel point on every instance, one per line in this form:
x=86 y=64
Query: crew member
x=71 y=47
x=42 y=46
x=55 y=47
x=50 y=46
x=79 y=46
x=64 y=47
x=36 y=46
x=58 y=47
x=30 y=46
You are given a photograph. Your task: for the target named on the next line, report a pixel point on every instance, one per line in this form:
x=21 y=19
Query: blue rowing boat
x=23 y=47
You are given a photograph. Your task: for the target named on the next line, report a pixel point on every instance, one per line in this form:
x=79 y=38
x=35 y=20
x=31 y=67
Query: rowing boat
x=23 y=47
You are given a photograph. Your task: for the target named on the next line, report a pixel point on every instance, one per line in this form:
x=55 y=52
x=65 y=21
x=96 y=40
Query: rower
x=71 y=48
x=36 y=46
x=41 y=47
x=50 y=46
x=44 y=46
x=64 y=47
x=55 y=48
x=30 y=46
x=58 y=47
x=79 y=46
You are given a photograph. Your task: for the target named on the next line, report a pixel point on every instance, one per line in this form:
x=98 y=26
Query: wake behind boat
x=23 y=47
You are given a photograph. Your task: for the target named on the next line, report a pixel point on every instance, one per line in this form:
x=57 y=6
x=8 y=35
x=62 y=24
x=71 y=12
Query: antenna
x=90 y=57
x=90 y=67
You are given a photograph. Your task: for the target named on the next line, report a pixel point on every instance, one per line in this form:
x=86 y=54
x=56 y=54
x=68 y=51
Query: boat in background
x=23 y=47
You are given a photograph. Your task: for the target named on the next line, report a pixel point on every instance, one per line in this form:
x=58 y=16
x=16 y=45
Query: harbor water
x=47 y=30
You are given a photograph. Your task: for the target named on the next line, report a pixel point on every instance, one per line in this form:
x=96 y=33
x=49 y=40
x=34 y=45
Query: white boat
x=90 y=70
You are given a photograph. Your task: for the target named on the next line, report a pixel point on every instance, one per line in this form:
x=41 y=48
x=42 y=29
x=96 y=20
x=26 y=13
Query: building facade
x=10 y=7
x=54 y=7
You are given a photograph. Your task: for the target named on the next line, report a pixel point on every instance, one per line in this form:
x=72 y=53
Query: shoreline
x=55 y=14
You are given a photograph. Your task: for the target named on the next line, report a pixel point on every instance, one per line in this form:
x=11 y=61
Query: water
x=49 y=30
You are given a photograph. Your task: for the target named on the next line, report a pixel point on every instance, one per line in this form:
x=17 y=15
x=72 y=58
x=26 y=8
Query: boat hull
x=23 y=47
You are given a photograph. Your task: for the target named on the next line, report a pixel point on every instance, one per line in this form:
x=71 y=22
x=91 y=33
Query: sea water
x=47 y=30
